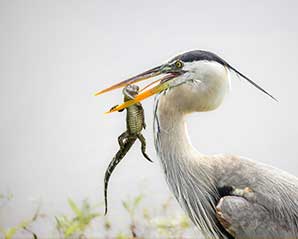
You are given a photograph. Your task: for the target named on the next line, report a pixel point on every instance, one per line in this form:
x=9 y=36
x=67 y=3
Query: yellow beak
x=145 y=94
x=164 y=84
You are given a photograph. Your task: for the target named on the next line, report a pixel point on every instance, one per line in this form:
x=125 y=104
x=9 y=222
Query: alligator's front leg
x=143 y=146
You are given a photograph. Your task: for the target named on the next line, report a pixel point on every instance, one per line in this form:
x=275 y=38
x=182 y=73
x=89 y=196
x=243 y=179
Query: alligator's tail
x=117 y=158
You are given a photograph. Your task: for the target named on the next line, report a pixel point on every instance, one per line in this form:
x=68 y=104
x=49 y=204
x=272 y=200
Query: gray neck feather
x=188 y=172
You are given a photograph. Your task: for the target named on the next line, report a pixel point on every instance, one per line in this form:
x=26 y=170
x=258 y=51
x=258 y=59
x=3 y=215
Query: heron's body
x=225 y=196
x=196 y=179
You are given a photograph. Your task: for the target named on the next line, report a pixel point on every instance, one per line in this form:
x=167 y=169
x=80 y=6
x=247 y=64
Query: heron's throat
x=170 y=132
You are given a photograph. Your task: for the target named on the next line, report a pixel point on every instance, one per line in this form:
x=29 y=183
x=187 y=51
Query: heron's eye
x=179 y=64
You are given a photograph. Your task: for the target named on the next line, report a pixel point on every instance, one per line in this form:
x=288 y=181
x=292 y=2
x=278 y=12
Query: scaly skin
x=135 y=123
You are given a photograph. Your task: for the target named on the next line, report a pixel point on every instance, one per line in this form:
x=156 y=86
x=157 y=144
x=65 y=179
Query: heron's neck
x=188 y=172
x=171 y=135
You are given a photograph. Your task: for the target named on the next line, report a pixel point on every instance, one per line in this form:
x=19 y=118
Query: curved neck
x=170 y=132
x=188 y=172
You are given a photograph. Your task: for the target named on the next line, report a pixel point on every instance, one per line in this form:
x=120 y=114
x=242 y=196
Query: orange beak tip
x=110 y=111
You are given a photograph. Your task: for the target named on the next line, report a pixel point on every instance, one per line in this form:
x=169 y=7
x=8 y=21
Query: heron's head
x=192 y=81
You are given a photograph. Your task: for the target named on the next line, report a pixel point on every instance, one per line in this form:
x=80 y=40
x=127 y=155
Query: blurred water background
x=55 y=142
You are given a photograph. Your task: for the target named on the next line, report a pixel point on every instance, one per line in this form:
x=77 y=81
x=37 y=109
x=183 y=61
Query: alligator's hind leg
x=122 y=139
x=143 y=147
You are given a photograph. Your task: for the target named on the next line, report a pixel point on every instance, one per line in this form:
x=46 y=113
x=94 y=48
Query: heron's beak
x=163 y=85
x=143 y=76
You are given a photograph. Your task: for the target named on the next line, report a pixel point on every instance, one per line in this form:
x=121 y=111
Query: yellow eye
x=178 y=64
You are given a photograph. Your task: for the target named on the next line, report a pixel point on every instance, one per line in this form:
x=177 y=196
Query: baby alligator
x=135 y=123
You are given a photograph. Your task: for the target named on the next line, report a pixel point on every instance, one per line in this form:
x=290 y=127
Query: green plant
x=76 y=225
x=171 y=225
x=164 y=221
x=131 y=207
x=9 y=233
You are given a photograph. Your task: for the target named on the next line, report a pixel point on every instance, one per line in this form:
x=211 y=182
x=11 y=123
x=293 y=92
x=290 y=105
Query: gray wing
x=244 y=219
x=270 y=211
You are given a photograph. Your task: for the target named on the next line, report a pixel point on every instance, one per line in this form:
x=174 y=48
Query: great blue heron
x=226 y=196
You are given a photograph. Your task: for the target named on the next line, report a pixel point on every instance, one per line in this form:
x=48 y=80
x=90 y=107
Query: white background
x=55 y=141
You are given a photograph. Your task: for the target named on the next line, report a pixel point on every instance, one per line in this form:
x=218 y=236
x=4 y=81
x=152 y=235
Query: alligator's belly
x=134 y=119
